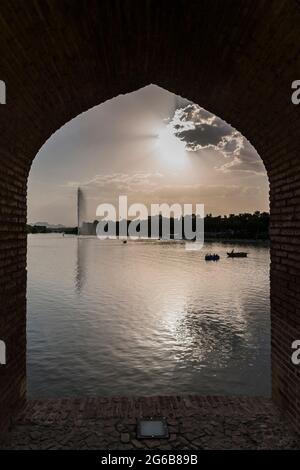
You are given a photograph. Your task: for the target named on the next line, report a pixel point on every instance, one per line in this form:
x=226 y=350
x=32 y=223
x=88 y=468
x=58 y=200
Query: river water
x=145 y=318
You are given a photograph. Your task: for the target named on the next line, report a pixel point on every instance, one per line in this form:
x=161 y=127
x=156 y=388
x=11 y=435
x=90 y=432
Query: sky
x=152 y=146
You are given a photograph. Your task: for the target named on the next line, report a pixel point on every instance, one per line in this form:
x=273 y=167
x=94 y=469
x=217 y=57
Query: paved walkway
x=194 y=422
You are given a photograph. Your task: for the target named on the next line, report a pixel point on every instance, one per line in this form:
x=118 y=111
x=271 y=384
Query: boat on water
x=237 y=254
x=210 y=257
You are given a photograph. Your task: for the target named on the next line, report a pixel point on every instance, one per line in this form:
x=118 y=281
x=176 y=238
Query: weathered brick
x=236 y=59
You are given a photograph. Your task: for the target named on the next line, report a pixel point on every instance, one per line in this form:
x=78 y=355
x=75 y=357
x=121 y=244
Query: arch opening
x=155 y=147
x=221 y=65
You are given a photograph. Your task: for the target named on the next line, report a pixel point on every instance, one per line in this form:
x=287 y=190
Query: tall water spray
x=80 y=209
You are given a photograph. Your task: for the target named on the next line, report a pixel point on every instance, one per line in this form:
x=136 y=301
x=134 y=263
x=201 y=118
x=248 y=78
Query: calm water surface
x=145 y=318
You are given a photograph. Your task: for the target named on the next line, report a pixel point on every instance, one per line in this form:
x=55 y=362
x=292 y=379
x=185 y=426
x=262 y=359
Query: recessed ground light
x=152 y=428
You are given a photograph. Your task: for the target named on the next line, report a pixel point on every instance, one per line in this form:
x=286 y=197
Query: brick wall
x=12 y=289
x=59 y=58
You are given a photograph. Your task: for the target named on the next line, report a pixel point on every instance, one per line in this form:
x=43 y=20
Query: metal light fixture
x=149 y=428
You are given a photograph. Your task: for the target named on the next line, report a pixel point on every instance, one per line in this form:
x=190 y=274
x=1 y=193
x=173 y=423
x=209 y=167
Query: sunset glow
x=171 y=148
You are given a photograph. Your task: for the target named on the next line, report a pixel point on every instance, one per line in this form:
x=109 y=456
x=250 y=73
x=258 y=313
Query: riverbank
x=240 y=241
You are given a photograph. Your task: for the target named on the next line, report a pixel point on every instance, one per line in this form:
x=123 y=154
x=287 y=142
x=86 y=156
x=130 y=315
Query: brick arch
x=59 y=58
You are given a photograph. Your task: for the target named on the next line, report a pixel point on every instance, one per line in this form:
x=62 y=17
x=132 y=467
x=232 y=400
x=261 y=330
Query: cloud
x=200 y=130
x=119 y=182
x=246 y=161
x=154 y=187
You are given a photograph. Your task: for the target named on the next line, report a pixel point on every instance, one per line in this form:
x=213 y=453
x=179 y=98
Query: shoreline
x=238 y=240
x=206 y=240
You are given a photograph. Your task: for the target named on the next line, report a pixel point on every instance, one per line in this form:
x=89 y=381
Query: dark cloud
x=202 y=136
x=201 y=130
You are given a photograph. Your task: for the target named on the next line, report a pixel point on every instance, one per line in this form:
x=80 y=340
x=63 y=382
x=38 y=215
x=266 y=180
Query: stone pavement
x=195 y=422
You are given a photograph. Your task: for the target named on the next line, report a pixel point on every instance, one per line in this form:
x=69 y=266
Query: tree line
x=234 y=226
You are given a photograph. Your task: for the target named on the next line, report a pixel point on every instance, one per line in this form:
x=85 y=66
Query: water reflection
x=81 y=264
x=145 y=318
x=210 y=338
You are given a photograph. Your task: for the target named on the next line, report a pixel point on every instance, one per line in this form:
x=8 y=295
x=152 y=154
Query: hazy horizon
x=152 y=146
